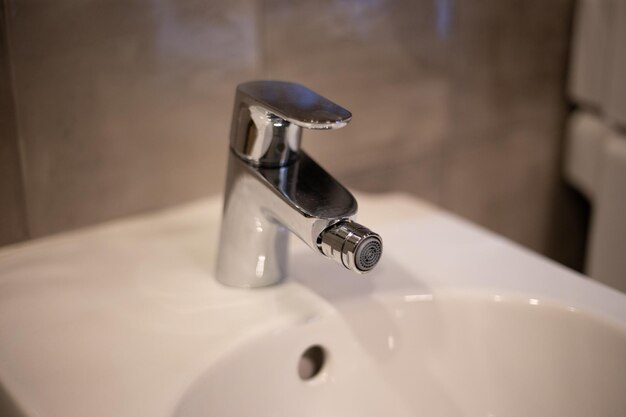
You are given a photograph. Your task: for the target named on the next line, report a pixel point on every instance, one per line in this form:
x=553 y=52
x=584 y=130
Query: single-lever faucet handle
x=269 y=116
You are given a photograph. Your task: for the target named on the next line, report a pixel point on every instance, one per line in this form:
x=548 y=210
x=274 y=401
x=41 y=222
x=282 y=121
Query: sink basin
x=126 y=319
x=422 y=356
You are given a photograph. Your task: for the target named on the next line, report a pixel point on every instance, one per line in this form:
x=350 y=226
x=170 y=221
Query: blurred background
x=110 y=108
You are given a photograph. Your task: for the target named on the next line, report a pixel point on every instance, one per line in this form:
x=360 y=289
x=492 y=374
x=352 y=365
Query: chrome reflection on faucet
x=274 y=189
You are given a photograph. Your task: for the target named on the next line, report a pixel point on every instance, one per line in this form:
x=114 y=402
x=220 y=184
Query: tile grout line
x=261 y=41
x=9 y=7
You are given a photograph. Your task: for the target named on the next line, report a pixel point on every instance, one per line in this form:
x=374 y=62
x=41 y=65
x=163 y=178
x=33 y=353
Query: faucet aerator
x=352 y=245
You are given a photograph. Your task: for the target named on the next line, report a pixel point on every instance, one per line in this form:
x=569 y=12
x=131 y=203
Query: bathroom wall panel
x=421 y=176
x=501 y=156
x=508 y=183
x=363 y=55
x=12 y=210
x=514 y=38
x=509 y=64
x=480 y=106
x=125 y=106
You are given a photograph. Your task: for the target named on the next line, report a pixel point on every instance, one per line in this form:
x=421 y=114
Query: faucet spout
x=311 y=198
x=271 y=194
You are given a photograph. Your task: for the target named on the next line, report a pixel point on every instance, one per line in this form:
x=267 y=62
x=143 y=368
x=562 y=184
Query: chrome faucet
x=274 y=189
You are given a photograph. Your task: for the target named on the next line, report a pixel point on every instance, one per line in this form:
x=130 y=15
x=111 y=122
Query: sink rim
x=170 y=296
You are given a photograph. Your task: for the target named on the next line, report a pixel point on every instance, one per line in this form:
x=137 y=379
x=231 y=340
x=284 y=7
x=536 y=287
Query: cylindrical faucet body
x=273 y=189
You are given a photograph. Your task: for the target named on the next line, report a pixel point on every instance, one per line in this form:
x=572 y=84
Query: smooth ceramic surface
x=126 y=319
x=419 y=355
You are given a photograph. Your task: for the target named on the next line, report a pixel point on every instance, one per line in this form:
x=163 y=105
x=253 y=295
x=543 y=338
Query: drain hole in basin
x=311 y=362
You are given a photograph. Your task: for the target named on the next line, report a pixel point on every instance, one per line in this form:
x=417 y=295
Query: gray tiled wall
x=124 y=106
x=12 y=214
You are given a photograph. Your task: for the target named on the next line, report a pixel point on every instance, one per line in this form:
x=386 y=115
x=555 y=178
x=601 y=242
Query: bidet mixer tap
x=274 y=189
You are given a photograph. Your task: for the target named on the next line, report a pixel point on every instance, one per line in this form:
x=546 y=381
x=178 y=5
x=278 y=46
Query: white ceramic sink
x=126 y=319
x=422 y=356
